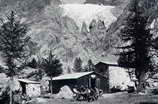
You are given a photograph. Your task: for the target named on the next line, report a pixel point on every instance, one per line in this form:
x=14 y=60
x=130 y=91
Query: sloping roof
x=28 y=81
x=72 y=76
x=107 y=64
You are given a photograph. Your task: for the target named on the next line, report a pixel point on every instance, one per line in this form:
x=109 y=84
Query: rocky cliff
x=88 y=31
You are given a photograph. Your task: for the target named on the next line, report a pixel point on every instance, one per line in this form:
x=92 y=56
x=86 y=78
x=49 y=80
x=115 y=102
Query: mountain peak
x=87 y=12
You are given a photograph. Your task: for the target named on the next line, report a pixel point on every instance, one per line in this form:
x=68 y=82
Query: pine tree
x=93 y=26
x=68 y=69
x=84 y=29
x=78 y=65
x=33 y=63
x=90 y=66
x=52 y=67
x=137 y=39
x=13 y=42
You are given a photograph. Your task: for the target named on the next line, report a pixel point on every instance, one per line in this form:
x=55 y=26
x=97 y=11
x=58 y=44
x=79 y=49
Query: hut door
x=98 y=83
x=93 y=81
x=23 y=85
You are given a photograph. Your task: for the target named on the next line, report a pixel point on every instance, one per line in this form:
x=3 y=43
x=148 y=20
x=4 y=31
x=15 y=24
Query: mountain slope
x=71 y=31
x=150 y=10
x=70 y=35
x=87 y=12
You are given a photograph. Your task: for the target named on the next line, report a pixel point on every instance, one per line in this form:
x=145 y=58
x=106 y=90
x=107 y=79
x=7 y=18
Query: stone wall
x=33 y=90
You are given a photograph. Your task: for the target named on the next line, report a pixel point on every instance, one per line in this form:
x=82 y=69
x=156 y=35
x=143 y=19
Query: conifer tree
x=84 y=29
x=90 y=66
x=135 y=52
x=68 y=69
x=52 y=67
x=78 y=65
x=13 y=42
x=33 y=63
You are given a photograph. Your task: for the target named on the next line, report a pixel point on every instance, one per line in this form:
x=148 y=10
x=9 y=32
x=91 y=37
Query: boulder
x=65 y=92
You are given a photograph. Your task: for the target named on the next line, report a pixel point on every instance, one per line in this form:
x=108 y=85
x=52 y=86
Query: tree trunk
x=11 y=91
x=141 y=81
x=51 y=90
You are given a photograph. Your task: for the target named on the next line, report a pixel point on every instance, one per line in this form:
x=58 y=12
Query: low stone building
x=30 y=88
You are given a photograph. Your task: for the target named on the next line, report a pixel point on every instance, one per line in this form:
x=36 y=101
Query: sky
x=73 y=1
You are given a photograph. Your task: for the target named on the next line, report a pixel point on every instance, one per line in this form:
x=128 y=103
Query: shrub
x=130 y=89
x=155 y=91
x=116 y=89
x=4 y=97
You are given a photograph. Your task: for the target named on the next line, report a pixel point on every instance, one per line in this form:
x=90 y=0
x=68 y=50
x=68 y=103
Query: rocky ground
x=117 y=98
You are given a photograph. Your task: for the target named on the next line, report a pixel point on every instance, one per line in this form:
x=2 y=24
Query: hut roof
x=107 y=63
x=28 y=81
x=72 y=76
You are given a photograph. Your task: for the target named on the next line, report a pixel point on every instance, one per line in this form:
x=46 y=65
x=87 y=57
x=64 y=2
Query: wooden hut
x=116 y=75
x=89 y=79
x=102 y=68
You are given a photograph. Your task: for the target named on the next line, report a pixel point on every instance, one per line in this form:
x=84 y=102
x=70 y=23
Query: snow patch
x=87 y=12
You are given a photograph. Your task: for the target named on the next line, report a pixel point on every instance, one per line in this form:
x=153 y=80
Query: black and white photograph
x=78 y=51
